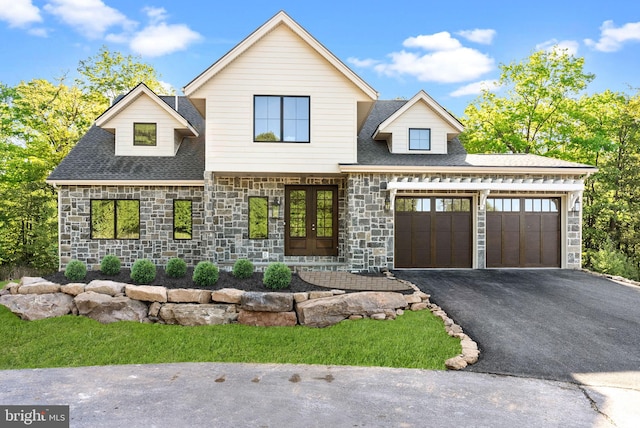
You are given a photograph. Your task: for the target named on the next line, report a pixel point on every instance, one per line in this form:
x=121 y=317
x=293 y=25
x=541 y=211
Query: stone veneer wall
x=156 y=225
x=227 y=221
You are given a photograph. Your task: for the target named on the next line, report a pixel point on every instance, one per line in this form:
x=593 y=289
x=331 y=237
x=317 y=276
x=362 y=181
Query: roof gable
x=138 y=91
x=421 y=96
x=281 y=18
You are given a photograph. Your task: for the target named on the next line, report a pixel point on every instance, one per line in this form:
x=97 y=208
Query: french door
x=311 y=221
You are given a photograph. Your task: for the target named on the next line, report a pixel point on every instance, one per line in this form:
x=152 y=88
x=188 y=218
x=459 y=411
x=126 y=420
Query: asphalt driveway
x=550 y=324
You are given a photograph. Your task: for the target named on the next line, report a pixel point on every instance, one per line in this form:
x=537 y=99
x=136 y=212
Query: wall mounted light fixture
x=275 y=208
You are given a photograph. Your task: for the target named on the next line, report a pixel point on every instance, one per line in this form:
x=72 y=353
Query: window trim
x=282 y=97
x=266 y=199
x=409 y=139
x=155 y=139
x=190 y=219
x=115 y=219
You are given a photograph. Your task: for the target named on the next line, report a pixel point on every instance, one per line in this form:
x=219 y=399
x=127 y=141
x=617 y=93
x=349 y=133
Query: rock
x=467 y=343
x=337 y=292
x=418 y=306
x=267 y=319
x=31 y=307
x=12 y=287
x=73 y=289
x=412 y=298
x=194 y=314
x=399 y=312
x=146 y=293
x=105 y=287
x=227 y=295
x=422 y=295
x=189 y=295
x=44 y=287
x=300 y=297
x=154 y=309
x=355 y=317
x=319 y=294
x=378 y=316
x=454 y=329
x=26 y=280
x=107 y=309
x=331 y=310
x=456 y=363
x=471 y=357
x=267 y=302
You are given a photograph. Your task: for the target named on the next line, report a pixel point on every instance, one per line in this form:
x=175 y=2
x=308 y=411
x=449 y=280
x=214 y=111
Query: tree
x=535 y=113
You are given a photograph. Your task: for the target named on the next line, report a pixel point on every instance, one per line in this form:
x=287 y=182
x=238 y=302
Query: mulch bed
x=226 y=280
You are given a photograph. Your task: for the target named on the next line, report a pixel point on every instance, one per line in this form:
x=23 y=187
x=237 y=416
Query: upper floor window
x=281 y=118
x=419 y=139
x=144 y=134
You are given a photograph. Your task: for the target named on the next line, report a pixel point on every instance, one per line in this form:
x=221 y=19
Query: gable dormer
x=145 y=125
x=421 y=126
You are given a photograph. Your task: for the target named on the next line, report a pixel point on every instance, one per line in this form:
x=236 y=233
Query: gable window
x=258 y=221
x=419 y=139
x=281 y=118
x=115 y=219
x=182 y=219
x=144 y=134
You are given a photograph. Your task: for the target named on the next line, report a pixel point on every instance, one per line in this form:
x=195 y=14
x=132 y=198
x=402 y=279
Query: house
x=280 y=152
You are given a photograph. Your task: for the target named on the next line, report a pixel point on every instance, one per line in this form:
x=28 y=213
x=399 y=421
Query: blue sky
x=398 y=47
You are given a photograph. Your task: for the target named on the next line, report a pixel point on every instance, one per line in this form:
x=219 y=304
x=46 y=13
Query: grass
x=3 y=283
x=413 y=340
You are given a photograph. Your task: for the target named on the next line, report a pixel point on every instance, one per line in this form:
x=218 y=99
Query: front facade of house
x=279 y=152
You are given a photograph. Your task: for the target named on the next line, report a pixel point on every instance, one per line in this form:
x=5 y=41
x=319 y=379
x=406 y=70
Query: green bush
x=612 y=261
x=176 y=268
x=277 y=276
x=110 y=265
x=143 y=271
x=75 y=270
x=243 y=268
x=206 y=274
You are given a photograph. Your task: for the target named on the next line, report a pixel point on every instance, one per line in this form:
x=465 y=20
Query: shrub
x=110 y=265
x=243 y=268
x=143 y=271
x=205 y=274
x=612 y=261
x=277 y=276
x=176 y=268
x=75 y=270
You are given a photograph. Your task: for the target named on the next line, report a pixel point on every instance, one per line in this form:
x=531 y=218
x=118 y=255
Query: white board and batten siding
x=419 y=115
x=280 y=64
x=145 y=110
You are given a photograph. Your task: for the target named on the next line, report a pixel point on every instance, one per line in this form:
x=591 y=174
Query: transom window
x=419 y=139
x=144 y=134
x=281 y=118
x=115 y=219
x=503 y=204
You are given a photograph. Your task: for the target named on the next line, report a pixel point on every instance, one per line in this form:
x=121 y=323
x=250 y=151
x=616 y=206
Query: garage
x=433 y=232
x=523 y=232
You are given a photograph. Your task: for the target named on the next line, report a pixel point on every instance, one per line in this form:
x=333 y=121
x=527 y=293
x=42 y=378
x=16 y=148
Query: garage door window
x=503 y=205
x=413 y=205
x=452 y=205
x=541 y=205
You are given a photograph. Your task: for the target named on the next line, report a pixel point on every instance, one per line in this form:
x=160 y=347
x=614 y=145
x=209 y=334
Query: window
x=182 y=219
x=115 y=219
x=281 y=119
x=503 y=204
x=258 y=220
x=452 y=205
x=413 y=204
x=551 y=205
x=144 y=134
x=419 y=139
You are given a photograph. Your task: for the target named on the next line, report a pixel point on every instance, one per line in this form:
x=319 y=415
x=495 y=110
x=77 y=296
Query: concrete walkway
x=349 y=281
x=269 y=395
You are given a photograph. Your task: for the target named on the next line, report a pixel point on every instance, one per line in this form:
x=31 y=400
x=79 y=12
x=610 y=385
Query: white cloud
x=476 y=88
x=570 y=47
x=161 y=39
x=167 y=87
x=612 y=38
x=92 y=18
x=19 y=13
x=433 y=42
x=363 y=63
x=39 y=32
x=482 y=36
x=156 y=14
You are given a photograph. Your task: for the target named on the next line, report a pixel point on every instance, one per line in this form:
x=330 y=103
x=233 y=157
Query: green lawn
x=415 y=339
x=3 y=283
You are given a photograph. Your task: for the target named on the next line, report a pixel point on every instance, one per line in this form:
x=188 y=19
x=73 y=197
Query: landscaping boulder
x=267 y=319
x=195 y=314
x=26 y=280
x=227 y=295
x=146 y=293
x=331 y=310
x=189 y=295
x=107 y=309
x=266 y=302
x=44 y=287
x=110 y=288
x=38 y=306
x=73 y=289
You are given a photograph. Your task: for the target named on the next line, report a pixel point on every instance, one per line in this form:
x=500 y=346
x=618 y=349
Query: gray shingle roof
x=372 y=152
x=93 y=158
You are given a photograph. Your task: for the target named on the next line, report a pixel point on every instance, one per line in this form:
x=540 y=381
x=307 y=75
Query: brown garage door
x=523 y=232
x=432 y=232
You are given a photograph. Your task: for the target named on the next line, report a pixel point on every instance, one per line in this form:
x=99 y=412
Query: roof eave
x=561 y=170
